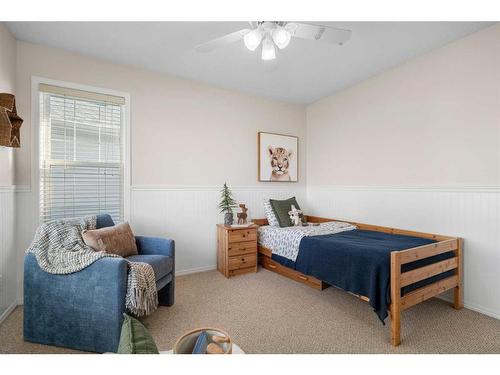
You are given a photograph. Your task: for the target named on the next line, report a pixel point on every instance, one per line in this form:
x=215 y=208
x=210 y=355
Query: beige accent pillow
x=117 y=240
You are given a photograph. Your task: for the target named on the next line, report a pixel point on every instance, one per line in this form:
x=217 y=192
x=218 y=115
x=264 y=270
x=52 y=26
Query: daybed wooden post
x=458 y=296
x=395 y=299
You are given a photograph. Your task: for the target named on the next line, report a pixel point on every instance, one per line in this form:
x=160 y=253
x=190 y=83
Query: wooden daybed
x=398 y=280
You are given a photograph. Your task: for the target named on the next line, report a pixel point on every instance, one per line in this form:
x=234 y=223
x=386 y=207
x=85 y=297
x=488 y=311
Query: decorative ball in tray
x=204 y=341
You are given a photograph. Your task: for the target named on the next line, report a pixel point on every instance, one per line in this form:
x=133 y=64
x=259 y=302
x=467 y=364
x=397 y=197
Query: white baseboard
x=195 y=270
x=7 y=312
x=473 y=307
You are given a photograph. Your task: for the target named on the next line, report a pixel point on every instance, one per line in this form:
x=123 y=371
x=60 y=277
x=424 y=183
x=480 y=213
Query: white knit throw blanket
x=59 y=249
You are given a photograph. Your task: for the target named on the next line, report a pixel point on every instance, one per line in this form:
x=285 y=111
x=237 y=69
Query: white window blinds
x=81 y=154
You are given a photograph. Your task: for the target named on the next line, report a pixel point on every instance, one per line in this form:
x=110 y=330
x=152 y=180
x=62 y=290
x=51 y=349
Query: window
x=81 y=157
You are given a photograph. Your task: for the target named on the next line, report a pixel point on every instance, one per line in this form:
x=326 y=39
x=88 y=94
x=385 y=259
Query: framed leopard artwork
x=278 y=157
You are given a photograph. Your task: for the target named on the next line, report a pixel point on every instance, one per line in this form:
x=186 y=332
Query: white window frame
x=35 y=137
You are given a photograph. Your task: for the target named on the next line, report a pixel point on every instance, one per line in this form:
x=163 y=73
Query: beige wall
x=432 y=121
x=7 y=84
x=183 y=133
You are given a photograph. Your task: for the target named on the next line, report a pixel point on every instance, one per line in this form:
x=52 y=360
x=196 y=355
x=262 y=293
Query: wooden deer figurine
x=242 y=216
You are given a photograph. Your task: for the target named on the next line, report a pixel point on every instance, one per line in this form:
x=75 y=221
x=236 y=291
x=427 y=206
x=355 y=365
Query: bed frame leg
x=395 y=299
x=395 y=329
x=458 y=292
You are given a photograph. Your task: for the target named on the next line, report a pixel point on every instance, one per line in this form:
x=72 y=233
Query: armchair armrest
x=155 y=246
x=160 y=246
x=104 y=276
x=81 y=310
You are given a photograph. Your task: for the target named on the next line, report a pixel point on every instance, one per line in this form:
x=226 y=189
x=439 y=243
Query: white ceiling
x=302 y=73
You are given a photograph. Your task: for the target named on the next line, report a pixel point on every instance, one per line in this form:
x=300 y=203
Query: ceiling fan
x=272 y=34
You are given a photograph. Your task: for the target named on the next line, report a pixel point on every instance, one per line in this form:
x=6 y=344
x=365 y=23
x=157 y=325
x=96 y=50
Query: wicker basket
x=186 y=342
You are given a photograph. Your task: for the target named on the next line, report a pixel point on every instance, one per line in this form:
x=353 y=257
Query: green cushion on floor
x=135 y=338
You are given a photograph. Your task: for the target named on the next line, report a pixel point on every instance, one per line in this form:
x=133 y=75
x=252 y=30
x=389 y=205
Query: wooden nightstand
x=236 y=250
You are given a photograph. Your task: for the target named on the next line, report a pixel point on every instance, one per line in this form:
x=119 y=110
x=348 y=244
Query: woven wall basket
x=10 y=122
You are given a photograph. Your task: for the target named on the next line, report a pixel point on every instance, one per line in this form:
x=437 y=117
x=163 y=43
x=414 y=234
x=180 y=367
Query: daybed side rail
x=379 y=228
x=260 y=221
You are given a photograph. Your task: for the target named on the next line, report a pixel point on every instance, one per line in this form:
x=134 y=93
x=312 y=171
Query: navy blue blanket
x=359 y=261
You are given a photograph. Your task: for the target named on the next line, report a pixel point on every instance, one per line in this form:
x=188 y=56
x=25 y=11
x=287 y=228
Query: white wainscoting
x=8 y=255
x=469 y=212
x=26 y=224
x=188 y=214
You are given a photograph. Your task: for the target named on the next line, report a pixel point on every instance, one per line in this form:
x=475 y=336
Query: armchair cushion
x=162 y=265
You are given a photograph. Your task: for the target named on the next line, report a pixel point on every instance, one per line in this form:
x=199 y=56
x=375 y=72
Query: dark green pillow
x=281 y=209
x=135 y=338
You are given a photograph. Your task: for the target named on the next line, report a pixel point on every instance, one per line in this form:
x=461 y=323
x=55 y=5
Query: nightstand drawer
x=242 y=235
x=240 y=248
x=242 y=261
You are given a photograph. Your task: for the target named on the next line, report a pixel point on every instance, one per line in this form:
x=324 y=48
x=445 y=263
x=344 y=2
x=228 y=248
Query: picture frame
x=278 y=157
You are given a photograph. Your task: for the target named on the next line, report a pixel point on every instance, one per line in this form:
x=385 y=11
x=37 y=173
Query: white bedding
x=285 y=241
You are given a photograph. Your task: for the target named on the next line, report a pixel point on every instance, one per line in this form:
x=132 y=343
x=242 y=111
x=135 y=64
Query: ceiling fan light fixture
x=281 y=37
x=268 y=50
x=252 y=39
x=291 y=27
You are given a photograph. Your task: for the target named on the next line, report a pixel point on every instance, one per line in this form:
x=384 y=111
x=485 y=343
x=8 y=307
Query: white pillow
x=270 y=216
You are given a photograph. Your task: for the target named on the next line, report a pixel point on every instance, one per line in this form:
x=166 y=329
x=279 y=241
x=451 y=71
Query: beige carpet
x=267 y=313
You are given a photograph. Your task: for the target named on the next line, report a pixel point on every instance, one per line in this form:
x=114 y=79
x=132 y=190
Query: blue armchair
x=84 y=310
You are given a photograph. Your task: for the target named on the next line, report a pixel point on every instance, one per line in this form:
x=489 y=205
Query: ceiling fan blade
x=223 y=40
x=322 y=33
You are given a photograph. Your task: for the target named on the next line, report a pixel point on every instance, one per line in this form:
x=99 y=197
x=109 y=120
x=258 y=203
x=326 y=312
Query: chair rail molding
x=414 y=188
x=15 y=188
x=261 y=187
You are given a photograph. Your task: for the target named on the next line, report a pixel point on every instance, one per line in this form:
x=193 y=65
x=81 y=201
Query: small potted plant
x=226 y=205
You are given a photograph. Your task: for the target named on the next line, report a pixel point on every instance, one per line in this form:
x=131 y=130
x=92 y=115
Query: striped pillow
x=270 y=215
